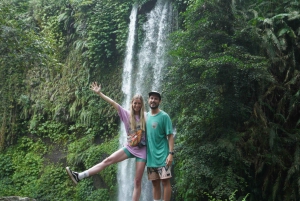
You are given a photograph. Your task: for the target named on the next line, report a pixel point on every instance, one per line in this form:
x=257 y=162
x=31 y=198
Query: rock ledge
x=16 y=198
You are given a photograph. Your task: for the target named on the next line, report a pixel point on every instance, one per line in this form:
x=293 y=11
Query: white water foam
x=148 y=76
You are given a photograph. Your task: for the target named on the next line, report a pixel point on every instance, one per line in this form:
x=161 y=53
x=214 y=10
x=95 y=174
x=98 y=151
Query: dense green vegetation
x=49 y=117
x=232 y=90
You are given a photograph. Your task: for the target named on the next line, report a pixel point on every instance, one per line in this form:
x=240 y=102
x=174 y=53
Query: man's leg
x=167 y=189
x=156 y=189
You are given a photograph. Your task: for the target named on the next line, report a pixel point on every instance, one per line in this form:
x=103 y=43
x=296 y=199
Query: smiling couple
x=157 y=154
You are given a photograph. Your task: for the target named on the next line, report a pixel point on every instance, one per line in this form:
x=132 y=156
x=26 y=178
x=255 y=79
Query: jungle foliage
x=232 y=91
x=47 y=109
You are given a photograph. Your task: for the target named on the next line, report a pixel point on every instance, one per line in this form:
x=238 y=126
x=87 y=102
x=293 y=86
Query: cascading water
x=147 y=75
x=126 y=168
x=152 y=55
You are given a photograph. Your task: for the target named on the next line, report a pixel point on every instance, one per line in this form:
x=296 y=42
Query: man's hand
x=169 y=160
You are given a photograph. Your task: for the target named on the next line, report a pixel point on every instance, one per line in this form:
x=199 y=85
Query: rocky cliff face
x=16 y=198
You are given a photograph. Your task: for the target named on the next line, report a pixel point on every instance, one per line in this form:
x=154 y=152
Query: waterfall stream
x=141 y=77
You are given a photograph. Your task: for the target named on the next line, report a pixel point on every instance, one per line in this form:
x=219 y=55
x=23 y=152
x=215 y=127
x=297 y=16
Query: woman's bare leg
x=139 y=170
x=116 y=157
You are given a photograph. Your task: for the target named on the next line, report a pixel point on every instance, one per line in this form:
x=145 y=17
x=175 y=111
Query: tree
x=20 y=50
x=213 y=84
x=271 y=140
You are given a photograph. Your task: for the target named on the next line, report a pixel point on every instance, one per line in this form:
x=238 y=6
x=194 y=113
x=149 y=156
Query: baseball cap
x=156 y=93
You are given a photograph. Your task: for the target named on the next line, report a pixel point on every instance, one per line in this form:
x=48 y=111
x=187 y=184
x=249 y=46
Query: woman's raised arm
x=97 y=89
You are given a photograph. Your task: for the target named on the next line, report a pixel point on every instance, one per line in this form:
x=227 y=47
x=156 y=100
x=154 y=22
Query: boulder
x=16 y=198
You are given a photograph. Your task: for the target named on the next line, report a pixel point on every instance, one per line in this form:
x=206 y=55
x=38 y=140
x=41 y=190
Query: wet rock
x=16 y=198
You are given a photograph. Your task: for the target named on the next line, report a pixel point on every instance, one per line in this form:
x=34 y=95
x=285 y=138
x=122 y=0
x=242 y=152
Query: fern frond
x=272 y=137
x=293 y=173
x=294 y=15
x=276 y=186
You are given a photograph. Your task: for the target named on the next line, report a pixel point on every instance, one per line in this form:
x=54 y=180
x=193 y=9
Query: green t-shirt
x=158 y=127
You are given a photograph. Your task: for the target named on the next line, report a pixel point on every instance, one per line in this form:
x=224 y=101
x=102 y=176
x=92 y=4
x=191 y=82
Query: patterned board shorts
x=159 y=173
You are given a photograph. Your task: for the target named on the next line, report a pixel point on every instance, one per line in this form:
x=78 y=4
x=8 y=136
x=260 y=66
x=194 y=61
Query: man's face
x=153 y=101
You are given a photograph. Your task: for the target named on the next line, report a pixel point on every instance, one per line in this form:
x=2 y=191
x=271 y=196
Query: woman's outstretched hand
x=95 y=87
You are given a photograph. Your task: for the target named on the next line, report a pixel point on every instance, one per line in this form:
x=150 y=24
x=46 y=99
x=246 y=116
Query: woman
x=134 y=121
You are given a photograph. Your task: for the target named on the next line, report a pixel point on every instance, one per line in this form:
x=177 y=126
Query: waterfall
x=147 y=73
x=126 y=168
x=151 y=57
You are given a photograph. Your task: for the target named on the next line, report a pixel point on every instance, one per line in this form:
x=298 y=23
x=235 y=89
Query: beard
x=153 y=106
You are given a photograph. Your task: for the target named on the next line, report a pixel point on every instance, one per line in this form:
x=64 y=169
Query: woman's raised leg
x=116 y=157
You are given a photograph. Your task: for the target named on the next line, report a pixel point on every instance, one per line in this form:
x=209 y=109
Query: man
x=160 y=147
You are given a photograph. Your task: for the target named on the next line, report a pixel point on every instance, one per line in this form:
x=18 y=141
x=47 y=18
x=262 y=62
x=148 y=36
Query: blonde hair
x=142 y=121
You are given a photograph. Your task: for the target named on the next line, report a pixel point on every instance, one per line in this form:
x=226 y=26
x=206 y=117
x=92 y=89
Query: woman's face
x=136 y=105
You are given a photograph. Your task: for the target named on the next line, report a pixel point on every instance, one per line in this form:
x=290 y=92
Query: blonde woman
x=134 y=121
